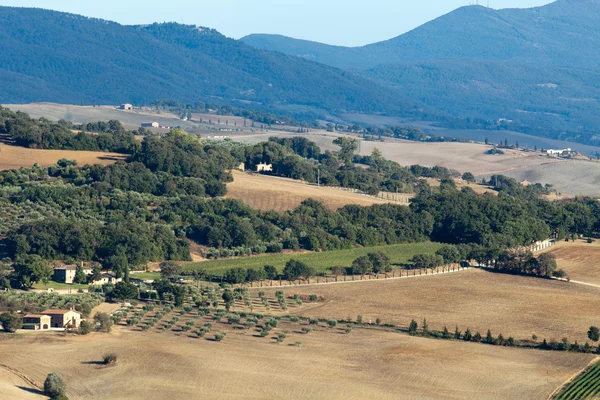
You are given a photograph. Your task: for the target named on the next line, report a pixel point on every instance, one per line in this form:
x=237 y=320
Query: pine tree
x=456 y=333
x=425 y=327
x=467 y=337
x=477 y=337
x=412 y=328
x=489 y=338
x=445 y=333
x=79 y=275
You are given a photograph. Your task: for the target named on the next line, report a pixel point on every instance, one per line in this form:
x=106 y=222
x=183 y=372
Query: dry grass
x=512 y=305
x=271 y=193
x=328 y=365
x=580 y=260
x=13 y=157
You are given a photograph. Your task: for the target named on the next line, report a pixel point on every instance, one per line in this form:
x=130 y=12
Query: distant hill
x=68 y=58
x=538 y=67
x=562 y=33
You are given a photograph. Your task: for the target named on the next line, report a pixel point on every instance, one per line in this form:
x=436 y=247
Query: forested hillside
x=68 y=58
x=170 y=193
x=537 y=67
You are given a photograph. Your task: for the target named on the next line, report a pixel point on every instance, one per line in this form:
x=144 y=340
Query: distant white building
x=264 y=167
x=552 y=152
x=126 y=107
x=150 y=125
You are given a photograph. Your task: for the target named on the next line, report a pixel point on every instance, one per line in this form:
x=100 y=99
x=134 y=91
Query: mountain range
x=66 y=58
x=534 y=70
x=537 y=67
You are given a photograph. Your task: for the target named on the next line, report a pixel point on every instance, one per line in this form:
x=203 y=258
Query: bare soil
x=272 y=193
x=13 y=157
x=579 y=259
x=328 y=365
x=512 y=305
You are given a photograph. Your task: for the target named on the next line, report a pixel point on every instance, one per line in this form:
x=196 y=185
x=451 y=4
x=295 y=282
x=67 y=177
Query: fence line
x=340 y=279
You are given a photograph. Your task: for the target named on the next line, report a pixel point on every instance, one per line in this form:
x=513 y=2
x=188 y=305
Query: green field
x=585 y=386
x=60 y=286
x=399 y=254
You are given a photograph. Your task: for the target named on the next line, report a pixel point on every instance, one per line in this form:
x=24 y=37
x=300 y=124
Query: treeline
x=43 y=134
x=298 y=158
x=409 y=133
x=261 y=116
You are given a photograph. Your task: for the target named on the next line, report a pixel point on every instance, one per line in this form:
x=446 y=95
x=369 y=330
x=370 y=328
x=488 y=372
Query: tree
x=450 y=254
x=79 y=275
x=254 y=275
x=412 y=328
x=488 y=337
x=11 y=322
x=380 y=262
x=362 y=265
x=594 y=334
x=54 y=386
x=546 y=264
x=30 y=269
x=236 y=275
x=228 y=298
x=270 y=272
x=468 y=177
x=103 y=322
x=85 y=328
x=297 y=269
x=125 y=291
x=96 y=274
x=170 y=270
x=348 y=147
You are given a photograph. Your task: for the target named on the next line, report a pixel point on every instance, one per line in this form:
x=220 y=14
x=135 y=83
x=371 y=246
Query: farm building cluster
x=52 y=319
x=66 y=274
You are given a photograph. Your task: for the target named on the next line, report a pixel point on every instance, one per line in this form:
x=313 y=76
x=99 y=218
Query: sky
x=338 y=22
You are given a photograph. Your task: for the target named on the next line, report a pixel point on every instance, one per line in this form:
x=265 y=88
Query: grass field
x=328 y=365
x=60 y=286
x=399 y=254
x=580 y=260
x=272 y=193
x=585 y=386
x=13 y=157
x=512 y=305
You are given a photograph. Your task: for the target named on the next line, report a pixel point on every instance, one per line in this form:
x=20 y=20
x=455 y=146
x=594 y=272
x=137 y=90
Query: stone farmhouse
x=66 y=273
x=52 y=319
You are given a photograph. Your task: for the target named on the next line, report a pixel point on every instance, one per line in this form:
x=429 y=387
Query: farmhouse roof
x=35 y=316
x=67 y=267
x=59 y=312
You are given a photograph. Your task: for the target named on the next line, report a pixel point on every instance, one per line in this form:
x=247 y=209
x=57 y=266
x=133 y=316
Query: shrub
x=110 y=358
x=314 y=297
x=306 y=330
x=313 y=321
x=54 y=386
x=281 y=337
x=332 y=323
x=359 y=319
x=11 y=322
x=412 y=328
x=378 y=321
x=85 y=327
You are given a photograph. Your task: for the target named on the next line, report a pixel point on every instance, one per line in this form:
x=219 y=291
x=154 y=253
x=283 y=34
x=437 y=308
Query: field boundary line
x=21 y=375
x=572 y=378
x=360 y=281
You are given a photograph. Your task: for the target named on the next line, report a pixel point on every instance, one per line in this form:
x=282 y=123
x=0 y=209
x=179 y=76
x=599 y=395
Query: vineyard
x=585 y=386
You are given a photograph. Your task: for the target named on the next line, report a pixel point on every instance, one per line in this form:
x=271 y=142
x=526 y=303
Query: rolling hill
x=67 y=58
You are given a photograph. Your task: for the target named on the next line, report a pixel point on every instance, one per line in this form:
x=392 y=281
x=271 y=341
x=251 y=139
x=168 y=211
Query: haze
x=340 y=22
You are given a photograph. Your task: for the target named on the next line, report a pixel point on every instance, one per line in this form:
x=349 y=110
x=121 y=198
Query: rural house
x=126 y=107
x=150 y=125
x=36 y=322
x=264 y=167
x=107 y=278
x=66 y=273
x=63 y=318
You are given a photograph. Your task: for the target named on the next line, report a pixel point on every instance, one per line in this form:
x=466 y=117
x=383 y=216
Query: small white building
x=552 y=152
x=107 y=278
x=126 y=107
x=150 y=125
x=264 y=167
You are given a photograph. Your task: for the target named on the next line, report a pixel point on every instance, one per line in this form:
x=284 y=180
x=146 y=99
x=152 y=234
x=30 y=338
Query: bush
x=220 y=336
x=109 y=359
x=332 y=323
x=11 y=322
x=85 y=327
x=54 y=386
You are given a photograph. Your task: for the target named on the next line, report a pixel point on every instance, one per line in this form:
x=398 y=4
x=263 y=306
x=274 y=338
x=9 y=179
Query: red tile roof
x=59 y=312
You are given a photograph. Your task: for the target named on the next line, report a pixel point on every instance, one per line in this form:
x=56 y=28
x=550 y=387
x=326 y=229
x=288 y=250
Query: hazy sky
x=341 y=22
